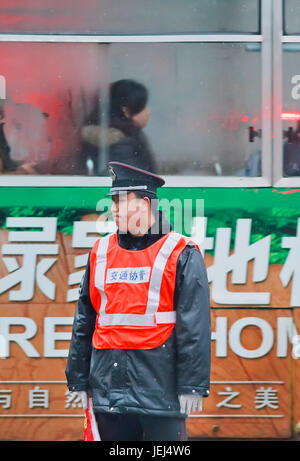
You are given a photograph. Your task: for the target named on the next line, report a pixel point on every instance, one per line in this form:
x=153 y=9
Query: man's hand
x=190 y=403
x=83 y=397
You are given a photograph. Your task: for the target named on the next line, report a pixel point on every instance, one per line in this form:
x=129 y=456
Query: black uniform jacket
x=147 y=381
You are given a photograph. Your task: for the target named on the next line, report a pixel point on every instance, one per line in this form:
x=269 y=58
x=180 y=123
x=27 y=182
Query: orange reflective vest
x=132 y=292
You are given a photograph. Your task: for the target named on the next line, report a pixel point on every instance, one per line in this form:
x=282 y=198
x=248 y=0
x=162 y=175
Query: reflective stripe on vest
x=151 y=317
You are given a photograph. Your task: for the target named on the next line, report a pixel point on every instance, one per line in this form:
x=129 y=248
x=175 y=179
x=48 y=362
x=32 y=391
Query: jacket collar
x=160 y=228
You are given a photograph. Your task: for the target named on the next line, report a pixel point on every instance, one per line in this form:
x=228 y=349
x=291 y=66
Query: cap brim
x=120 y=192
x=117 y=192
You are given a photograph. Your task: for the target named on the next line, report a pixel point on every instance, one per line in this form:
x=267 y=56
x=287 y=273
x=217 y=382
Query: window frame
x=279 y=39
x=177 y=180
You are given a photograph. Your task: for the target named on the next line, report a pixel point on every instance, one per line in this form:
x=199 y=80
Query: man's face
x=128 y=212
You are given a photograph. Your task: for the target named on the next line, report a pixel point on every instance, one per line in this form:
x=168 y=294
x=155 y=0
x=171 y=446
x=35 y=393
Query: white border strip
x=190 y=416
x=101 y=181
x=288 y=182
x=212 y=382
x=174 y=38
x=247 y=382
x=290 y=39
x=42 y=416
x=236 y=416
x=33 y=382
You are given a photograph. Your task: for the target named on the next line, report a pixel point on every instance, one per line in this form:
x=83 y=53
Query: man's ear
x=147 y=201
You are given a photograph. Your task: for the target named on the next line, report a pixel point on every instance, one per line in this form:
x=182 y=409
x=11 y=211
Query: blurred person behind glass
x=124 y=138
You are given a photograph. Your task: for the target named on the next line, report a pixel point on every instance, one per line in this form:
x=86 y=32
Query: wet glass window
x=290 y=114
x=205 y=102
x=291 y=17
x=173 y=108
x=46 y=92
x=129 y=16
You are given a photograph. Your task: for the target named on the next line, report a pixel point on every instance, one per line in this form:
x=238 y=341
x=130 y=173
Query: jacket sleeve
x=193 y=323
x=78 y=363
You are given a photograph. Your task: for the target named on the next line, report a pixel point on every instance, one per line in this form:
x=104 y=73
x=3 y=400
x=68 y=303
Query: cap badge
x=112 y=173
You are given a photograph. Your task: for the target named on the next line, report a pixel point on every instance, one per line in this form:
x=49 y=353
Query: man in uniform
x=140 y=343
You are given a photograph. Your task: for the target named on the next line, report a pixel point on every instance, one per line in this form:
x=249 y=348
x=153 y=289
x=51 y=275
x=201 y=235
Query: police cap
x=127 y=178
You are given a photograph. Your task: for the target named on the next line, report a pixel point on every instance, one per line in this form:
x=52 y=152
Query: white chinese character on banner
x=296 y=347
x=82 y=239
x=198 y=235
x=237 y=263
x=266 y=398
x=38 y=398
x=73 y=400
x=31 y=271
x=291 y=267
x=76 y=277
x=5 y=398
x=230 y=396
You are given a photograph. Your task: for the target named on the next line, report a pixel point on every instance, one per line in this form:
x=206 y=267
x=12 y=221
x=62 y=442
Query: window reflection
x=203 y=99
x=50 y=90
x=290 y=115
x=172 y=108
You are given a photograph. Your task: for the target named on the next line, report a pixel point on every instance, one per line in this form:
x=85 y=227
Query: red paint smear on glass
x=286 y=191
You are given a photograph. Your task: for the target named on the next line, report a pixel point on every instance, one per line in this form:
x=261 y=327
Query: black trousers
x=134 y=427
